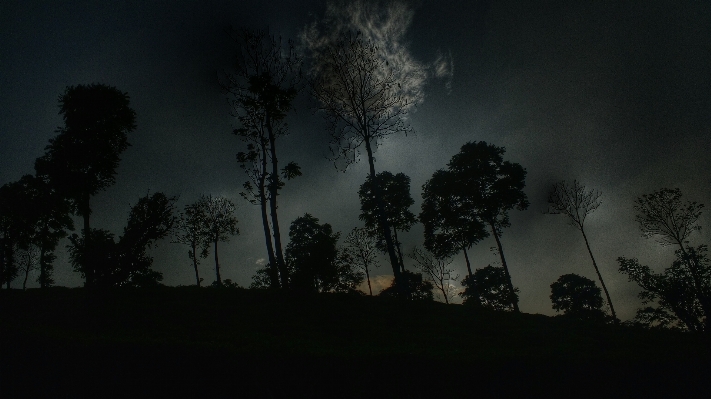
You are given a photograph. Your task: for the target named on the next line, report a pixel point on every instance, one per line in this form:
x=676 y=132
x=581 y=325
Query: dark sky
x=615 y=94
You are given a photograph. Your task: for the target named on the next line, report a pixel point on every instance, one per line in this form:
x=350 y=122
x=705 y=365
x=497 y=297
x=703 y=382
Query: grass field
x=208 y=342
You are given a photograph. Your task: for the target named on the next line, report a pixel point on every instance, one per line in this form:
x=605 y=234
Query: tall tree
x=220 y=224
x=365 y=98
x=395 y=192
x=362 y=248
x=576 y=202
x=578 y=297
x=190 y=230
x=451 y=223
x=10 y=231
x=82 y=159
x=436 y=270
x=663 y=216
x=261 y=90
x=490 y=187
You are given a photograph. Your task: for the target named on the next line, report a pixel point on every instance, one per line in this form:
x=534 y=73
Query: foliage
x=312 y=254
x=680 y=300
x=82 y=159
x=420 y=289
x=662 y=215
x=395 y=192
x=125 y=262
x=451 y=223
x=489 y=288
x=437 y=271
x=219 y=223
x=578 y=297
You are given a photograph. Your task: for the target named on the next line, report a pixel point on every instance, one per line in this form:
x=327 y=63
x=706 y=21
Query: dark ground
x=187 y=342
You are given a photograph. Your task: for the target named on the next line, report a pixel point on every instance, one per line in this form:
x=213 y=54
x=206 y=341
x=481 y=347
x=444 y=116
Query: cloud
x=444 y=69
x=260 y=262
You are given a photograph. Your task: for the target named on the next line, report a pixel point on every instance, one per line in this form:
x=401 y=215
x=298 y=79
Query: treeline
x=364 y=97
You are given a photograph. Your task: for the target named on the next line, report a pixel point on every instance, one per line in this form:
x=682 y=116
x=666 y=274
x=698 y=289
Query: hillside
x=242 y=343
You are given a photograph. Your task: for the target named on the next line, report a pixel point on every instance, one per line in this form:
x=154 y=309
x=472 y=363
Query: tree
x=125 y=262
x=450 y=223
x=361 y=247
x=365 y=82
x=11 y=230
x=220 y=223
x=261 y=92
x=395 y=192
x=420 y=288
x=578 y=297
x=480 y=184
x=680 y=302
x=663 y=216
x=489 y=288
x=190 y=230
x=436 y=271
x=312 y=254
x=82 y=159
x=576 y=202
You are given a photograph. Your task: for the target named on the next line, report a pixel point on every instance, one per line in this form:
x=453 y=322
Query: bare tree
x=663 y=216
x=220 y=223
x=260 y=92
x=576 y=202
x=436 y=270
x=362 y=246
x=190 y=230
x=363 y=100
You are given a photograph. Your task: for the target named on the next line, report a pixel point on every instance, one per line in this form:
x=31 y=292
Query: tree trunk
x=43 y=267
x=217 y=267
x=195 y=265
x=399 y=252
x=599 y=276
x=28 y=265
x=273 y=190
x=367 y=276
x=88 y=266
x=274 y=275
x=469 y=266
x=503 y=263
x=400 y=281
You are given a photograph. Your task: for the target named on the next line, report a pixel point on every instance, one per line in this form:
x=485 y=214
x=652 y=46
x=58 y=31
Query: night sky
x=614 y=94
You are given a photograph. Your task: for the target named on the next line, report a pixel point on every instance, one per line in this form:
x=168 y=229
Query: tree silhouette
x=436 y=270
x=420 y=288
x=82 y=159
x=663 y=216
x=395 y=191
x=365 y=98
x=490 y=288
x=487 y=186
x=680 y=301
x=312 y=254
x=220 y=224
x=190 y=230
x=125 y=262
x=260 y=92
x=576 y=202
x=361 y=247
x=451 y=224
x=577 y=297
x=10 y=226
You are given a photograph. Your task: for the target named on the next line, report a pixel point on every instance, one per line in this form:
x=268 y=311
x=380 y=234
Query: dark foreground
x=186 y=342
